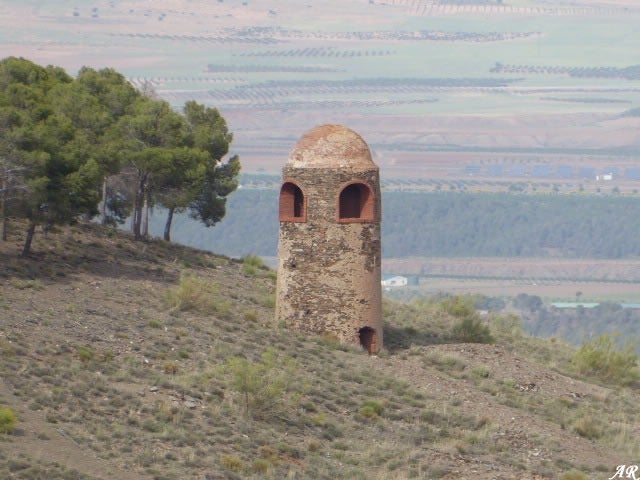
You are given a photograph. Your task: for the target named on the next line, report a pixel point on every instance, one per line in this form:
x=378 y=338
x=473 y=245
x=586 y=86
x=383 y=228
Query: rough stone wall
x=329 y=271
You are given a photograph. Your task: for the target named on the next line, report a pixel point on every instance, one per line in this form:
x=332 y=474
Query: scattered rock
x=528 y=387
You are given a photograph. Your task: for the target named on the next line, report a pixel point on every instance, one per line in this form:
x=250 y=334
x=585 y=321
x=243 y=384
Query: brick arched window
x=356 y=203
x=293 y=206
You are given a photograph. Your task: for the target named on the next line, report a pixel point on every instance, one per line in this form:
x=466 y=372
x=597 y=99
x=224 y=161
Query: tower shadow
x=397 y=339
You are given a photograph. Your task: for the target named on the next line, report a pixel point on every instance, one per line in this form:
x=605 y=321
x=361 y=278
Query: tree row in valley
x=451 y=224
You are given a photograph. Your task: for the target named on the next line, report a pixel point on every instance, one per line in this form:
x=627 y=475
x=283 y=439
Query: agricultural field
x=521 y=96
x=483 y=95
x=550 y=279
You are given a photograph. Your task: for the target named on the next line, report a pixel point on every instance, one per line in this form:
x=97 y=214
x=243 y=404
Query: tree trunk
x=3 y=211
x=135 y=220
x=27 y=243
x=137 y=206
x=103 y=207
x=145 y=216
x=167 y=226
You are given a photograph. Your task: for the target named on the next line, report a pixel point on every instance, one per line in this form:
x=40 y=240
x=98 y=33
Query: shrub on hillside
x=371 y=409
x=196 y=294
x=8 y=420
x=459 y=306
x=471 y=330
x=251 y=264
x=507 y=324
x=603 y=359
x=588 y=427
x=262 y=385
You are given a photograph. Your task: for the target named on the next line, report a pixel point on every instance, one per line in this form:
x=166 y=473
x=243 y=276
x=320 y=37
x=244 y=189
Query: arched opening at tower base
x=368 y=339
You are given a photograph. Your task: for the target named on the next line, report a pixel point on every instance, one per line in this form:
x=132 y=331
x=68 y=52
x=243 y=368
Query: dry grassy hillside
x=126 y=360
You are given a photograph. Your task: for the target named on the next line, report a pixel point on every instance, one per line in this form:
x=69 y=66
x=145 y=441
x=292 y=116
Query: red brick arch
x=293 y=203
x=356 y=203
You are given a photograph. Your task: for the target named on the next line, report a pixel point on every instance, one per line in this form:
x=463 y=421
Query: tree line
x=454 y=224
x=510 y=225
x=577 y=325
x=96 y=145
x=631 y=72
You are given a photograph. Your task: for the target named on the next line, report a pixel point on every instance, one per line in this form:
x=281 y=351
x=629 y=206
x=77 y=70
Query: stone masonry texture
x=329 y=268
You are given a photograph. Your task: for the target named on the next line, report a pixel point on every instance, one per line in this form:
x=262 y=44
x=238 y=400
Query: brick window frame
x=293 y=203
x=356 y=203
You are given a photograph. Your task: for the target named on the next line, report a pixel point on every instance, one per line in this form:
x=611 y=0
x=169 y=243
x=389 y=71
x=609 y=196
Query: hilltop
x=134 y=360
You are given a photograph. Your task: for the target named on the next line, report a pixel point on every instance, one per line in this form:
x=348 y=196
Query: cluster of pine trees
x=94 y=144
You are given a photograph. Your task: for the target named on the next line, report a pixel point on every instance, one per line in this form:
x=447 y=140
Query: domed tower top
x=331 y=146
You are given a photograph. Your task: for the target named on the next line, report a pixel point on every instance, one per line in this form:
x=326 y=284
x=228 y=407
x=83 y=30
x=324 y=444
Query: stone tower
x=329 y=247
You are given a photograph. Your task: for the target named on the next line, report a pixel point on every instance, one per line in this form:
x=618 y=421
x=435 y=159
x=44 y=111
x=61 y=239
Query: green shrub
x=171 y=368
x=309 y=406
x=458 y=306
x=588 y=427
x=262 y=385
x=251 y=316
x=196 y=294
x=319 y=420
x=253 y=260
x=260 y=465
x=26 y=284
x=481 y=372
x=444 y=362
x=249 y=269
x=8 y=420
x=251 y=264
x=371 y=409
x=269 y=300
x=508 y=324
x=268 y=452
x=233 y=463
x=601 y=358
x=155 y=324
x=471 y=330
x=6 y=348
x=85 y=354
